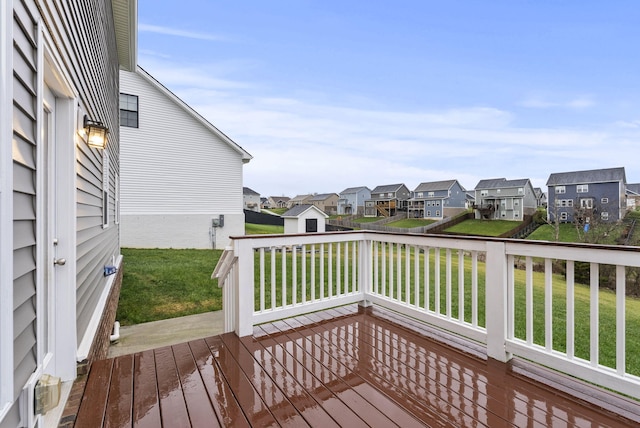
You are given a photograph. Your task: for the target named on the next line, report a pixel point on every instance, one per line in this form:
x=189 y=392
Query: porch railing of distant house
x=517 y=298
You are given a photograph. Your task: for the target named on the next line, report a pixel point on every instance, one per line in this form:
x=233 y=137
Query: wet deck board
x=341 y=367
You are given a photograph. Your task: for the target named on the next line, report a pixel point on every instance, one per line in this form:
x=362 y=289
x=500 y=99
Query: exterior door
x=51 y=261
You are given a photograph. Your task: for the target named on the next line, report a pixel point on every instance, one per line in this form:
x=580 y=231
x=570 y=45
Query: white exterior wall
x=176 y=175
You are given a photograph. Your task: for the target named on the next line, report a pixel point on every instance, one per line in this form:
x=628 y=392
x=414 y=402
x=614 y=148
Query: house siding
x=25 y=79
x=597 y=191
x=79 y=37
x=174 y=169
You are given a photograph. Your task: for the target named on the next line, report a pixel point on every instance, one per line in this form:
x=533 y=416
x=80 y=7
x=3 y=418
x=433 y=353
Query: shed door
x=311 y=225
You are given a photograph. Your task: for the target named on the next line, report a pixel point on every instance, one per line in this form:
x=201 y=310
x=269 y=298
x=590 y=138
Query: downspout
x=116 y=332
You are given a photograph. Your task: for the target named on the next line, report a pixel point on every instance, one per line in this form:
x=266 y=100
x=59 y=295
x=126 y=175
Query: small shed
x=304 y=219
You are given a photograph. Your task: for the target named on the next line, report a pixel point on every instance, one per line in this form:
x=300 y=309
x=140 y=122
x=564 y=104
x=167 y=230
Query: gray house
x=437 y=200
x=250 y=199
x=60 y=259
x=587 y=195
x=502 y=199
x=633 y=196
x=541 y=197
x=352 y=200
x=387 y=200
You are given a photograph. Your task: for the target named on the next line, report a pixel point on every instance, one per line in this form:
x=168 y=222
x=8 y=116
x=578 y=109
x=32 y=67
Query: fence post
x=496 y=289
x=244 y=296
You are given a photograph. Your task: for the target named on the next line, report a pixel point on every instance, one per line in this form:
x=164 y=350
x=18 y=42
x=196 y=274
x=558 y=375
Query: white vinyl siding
x=172 y=163
x=25 y=57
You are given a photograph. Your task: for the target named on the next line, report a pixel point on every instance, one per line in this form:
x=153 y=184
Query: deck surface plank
x=220 y=395
x=120 y=402
x=94 y=401
x=146 y=403
x=173 y=408
x=339 y=367
x=249 y=399
x=201 y=413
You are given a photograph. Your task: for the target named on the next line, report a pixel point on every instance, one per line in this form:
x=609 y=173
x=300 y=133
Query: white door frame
x=61 y=306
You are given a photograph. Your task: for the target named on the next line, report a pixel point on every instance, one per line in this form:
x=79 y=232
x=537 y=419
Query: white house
x=181 y=178
x=304 y=219
x=59 y=233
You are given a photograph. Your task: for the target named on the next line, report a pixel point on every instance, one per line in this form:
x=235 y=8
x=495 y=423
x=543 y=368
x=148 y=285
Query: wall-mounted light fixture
x=96 y=133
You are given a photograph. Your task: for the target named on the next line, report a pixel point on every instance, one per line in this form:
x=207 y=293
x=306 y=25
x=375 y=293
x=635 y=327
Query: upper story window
x=582 y=188
x=431 y=194
x=129 y=110
x=604 y=200
x=561 y=189
x=520 y=190
x=419 y=195
x=484 y=193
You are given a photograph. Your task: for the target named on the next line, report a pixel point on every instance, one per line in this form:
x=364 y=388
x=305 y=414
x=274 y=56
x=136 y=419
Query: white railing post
x=496 y=289
x=245 y=288
x=364 y=271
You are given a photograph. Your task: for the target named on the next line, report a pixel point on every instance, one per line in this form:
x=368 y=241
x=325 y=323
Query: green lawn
x=546 y=232
x=483 y=227
x=262 y=229
x=278 y=211
x=160 y=284
x=366 y=219
x=411 y=222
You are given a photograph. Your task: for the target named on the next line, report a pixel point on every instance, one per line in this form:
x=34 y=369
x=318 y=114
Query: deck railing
x=517 y=298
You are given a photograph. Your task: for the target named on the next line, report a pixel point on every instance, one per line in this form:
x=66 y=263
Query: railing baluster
x=474 y=288
x=427 y=279
x=416 y=275
x=436 y=282
x=346 y=268
x=399 y=272
x=620 y=320
x=448 y=281
x=354 y=268
x=461 y=285
x=594 y=320
x=273 y=278
x=391 y=284
x=570 y=309
x=548 y=304
x=313 y=272
x=284 y=276
x=376 y=277
x=330 y=270
x=322 y=285
x=383 y=258
x=303 y=260
x=529 y=298
x=261 y=252
x=338 y=261
x=294 y=275
x=407 y=274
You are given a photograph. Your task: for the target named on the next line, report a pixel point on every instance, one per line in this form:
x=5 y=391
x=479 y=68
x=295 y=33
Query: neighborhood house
x=502 y=199
x=437 y=200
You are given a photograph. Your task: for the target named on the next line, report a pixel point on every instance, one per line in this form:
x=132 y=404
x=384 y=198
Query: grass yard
x=262 y=229
x=483 y=227
x=408 y=223
x=546 y=232
x=366 y=219
x=279 y=211
x=167 y=283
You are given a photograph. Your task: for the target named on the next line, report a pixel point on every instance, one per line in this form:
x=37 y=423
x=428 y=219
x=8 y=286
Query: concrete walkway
x=141 y=337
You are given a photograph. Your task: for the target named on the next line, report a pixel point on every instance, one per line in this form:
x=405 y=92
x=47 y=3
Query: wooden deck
x=342 y=367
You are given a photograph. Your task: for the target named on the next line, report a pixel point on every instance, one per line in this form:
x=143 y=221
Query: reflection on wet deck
x=341 y=367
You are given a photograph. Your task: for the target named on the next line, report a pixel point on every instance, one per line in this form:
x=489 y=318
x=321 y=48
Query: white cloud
x=546 y=102
x=301 y=146
x=147 y=28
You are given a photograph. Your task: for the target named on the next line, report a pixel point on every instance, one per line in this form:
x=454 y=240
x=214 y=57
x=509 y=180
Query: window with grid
x=582 y=188
x=129 y=110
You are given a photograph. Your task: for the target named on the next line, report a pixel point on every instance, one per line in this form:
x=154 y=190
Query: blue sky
x=330 y=94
